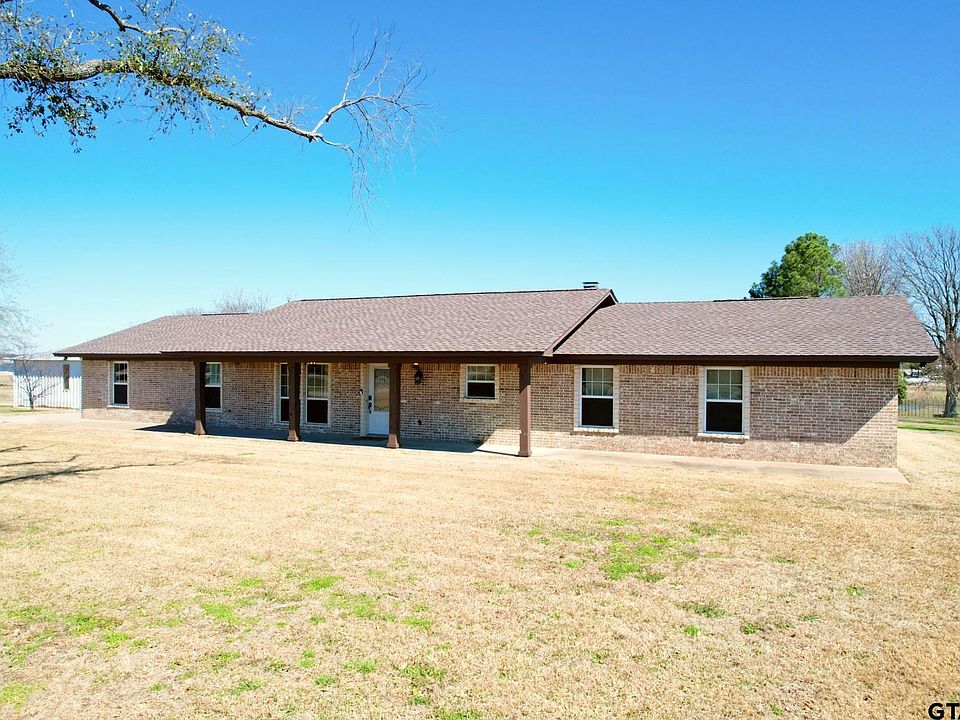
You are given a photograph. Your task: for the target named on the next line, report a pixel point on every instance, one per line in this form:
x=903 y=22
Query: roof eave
x=621 y=359
x=319 y=355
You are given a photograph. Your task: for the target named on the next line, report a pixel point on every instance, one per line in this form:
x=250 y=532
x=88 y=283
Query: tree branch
x=90 y=69
x=67 y=71
x=49 y=75
x=123 y=25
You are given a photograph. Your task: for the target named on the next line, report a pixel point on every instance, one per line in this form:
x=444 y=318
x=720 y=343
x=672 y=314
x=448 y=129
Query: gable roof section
x=877 y=328
x=526 y=322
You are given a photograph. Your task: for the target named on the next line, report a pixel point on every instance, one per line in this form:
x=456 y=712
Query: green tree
x=810 y=267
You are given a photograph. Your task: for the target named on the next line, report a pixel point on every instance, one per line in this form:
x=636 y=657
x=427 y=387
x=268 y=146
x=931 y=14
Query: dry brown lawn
x=153 y=575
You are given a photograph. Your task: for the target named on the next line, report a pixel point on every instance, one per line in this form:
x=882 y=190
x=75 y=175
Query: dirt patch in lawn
x=162 y=575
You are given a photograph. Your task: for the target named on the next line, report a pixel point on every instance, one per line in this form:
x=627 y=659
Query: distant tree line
x=237 y=300
x=924 y=266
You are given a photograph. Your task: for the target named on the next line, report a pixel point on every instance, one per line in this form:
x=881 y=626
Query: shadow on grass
x=928 y=428
x=63 y=473
x=308 y=437
x=38 y=462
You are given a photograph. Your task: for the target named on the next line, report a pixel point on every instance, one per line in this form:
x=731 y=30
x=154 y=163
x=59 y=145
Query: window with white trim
x=723 y=401
x=283 y=393
x=119 y=384
x=213 y=386
x=318 y=393
x=481 y=382
x=596 y=397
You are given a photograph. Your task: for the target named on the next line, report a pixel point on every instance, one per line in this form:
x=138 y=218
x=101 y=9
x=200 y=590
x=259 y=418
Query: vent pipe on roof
x=590 y=285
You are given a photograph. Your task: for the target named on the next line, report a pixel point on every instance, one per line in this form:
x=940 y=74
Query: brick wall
x=250 y=399
x=436 y=409
x=805 y=414
x=822 y=414
x=159 y=391
x=835 y=415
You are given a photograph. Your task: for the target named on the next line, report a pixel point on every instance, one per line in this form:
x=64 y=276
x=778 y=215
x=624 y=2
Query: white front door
x=378 y=400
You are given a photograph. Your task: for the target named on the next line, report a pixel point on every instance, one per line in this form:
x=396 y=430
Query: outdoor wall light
x=417 y=374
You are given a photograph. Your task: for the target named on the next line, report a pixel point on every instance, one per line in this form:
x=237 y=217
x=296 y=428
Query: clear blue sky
x=669 y=151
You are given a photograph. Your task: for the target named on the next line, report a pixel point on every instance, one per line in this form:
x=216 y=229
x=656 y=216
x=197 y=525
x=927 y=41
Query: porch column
x=293 y=389
x=393 y=438
x=199 y=398
x=525 y=412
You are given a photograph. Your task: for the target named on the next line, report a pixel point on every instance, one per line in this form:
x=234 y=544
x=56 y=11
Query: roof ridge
x=449 y=294
x=765 y=299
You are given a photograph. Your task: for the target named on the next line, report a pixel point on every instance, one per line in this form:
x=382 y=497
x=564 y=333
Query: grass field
x=154 y=575
x=940 y=424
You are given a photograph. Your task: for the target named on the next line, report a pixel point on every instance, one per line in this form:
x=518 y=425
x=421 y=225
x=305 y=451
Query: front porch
x=399 y=402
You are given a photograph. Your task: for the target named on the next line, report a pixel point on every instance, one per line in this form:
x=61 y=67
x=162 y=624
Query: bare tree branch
x=14 y=320
x=870 y=269
x=123 y=25
x=241 y=301
x=70 y=71
x=930 y=266
x=35 y=378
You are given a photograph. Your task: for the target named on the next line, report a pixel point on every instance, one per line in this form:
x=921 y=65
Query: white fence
x=52 y=383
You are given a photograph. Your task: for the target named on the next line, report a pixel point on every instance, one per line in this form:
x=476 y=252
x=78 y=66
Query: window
x=596 y=397
x=213 y=384
x=318 y=393
x=66 y=377
x=481 y=382
x=283 y=394
x=119 y=384
x=723 y=401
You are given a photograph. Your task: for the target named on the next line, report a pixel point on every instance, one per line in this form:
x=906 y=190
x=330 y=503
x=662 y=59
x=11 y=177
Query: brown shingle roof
x=882 y=327
x=499 y=322
x=854 y=327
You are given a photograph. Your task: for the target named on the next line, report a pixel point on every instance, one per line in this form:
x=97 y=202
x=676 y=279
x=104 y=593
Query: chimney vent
x=590 y=285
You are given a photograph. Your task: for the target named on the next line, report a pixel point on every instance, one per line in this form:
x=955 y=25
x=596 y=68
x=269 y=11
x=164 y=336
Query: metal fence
x=923 y=401
x=921 y=409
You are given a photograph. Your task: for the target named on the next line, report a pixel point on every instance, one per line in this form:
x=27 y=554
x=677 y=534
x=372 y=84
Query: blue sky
x=666 y=150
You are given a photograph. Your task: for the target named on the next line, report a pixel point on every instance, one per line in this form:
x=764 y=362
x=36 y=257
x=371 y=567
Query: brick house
x=799 y=379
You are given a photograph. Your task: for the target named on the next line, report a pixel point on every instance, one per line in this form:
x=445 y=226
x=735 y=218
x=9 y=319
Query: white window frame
x=744 y=401
x=464 y=374
x=220 y=385
x=112 y=382
x=278 y=397
x=305 y=398
x=578 y=392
